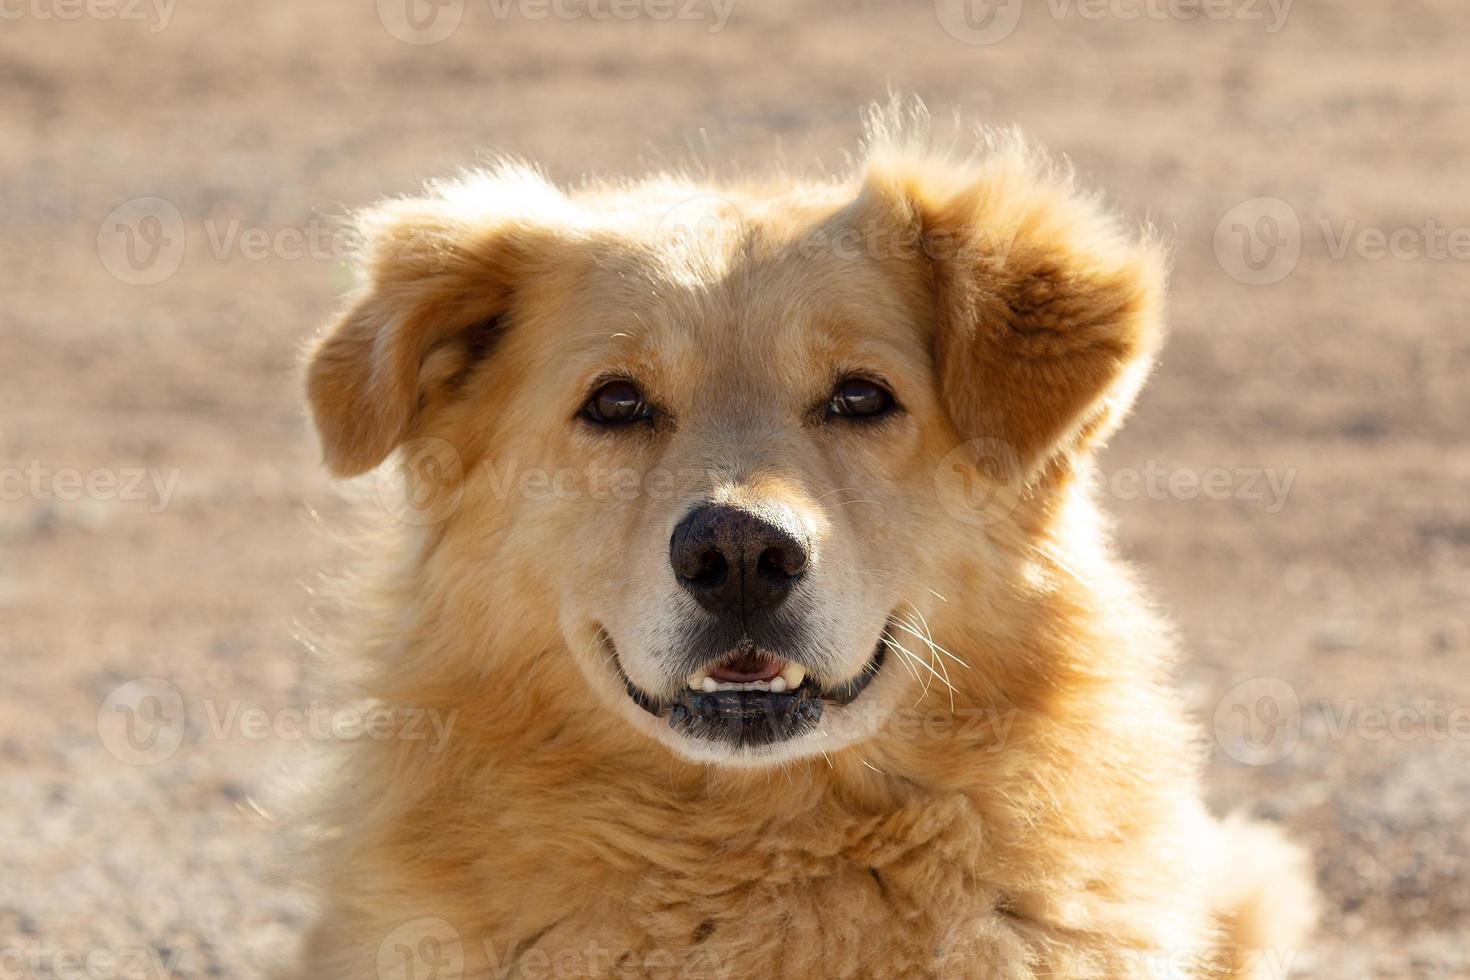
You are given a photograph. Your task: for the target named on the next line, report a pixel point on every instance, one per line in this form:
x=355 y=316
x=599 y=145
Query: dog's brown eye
x=616 y=402
x=860 y=398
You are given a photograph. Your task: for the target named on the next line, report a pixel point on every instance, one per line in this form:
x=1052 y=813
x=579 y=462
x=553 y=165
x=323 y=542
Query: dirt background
x=1348 y=592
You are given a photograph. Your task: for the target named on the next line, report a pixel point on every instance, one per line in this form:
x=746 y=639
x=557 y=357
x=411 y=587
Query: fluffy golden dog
x=747 y=545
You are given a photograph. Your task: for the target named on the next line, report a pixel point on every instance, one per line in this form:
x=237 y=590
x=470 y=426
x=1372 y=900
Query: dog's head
x=741 y=441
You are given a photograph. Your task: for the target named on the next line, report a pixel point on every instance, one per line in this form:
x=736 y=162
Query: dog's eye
x=860 y=398
x=616 y=403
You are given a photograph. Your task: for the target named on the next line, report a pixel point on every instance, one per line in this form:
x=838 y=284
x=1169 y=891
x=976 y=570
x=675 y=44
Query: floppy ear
x=1047 y=314
x=437 y=276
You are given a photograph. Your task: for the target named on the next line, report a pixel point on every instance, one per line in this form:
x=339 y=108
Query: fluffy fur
x=1017 y=794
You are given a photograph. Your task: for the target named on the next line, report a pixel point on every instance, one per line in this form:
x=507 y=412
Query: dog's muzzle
x=753 y=698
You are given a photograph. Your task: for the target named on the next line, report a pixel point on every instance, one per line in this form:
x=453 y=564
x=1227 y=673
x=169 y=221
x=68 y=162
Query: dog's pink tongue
x=746 y=668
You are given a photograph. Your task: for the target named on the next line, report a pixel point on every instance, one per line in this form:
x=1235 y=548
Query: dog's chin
x=751 y=706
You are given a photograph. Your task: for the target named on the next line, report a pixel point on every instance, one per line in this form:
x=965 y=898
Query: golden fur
x=1015 y=796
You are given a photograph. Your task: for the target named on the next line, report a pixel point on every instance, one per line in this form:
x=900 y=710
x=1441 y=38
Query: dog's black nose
x=736 y=562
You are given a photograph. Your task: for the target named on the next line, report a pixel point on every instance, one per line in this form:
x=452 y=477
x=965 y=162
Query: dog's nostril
x=781 y=563
x=711 y=572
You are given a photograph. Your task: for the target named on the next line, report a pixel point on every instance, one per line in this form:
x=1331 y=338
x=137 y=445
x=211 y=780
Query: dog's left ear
x=1047 y=314
x=439 y=274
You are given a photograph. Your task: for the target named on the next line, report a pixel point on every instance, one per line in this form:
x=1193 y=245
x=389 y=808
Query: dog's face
x=714 y=431
x=765 y=420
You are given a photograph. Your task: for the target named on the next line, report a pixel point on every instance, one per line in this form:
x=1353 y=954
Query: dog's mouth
x=752 y=697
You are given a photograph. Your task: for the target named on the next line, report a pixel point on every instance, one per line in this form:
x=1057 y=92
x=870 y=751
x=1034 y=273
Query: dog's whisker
x=843 y=503
x=823 y=496
x=580 y=338
x=928 y=638
x=915 y=660
x=938 y=662
x=938 y=651
x=934 y=664
x=903 y=658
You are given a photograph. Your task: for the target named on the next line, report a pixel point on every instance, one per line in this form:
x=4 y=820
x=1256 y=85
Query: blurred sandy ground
x=1347 y=376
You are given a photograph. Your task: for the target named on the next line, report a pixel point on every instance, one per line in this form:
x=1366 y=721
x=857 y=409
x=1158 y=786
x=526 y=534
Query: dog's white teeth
x=793 y=674
x=789 y=679
x=713 y=685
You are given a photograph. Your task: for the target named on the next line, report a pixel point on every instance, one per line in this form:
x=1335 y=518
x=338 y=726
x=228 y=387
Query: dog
x=746 y=539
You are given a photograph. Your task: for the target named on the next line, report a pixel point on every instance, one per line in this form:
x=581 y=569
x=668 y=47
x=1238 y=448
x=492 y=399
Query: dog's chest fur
x=834 y=894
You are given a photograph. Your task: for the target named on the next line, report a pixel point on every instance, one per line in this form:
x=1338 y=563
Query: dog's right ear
x=1047 y=312
x=437 y=277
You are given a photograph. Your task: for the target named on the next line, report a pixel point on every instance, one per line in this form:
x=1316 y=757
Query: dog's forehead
x=757 y=302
